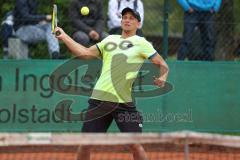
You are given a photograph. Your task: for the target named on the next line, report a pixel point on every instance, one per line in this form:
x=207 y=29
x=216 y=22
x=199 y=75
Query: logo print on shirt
x=124 y=45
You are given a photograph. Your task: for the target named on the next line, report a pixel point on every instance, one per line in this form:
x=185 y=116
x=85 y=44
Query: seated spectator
x=199 y=13
x=88 y=28
x=7 y=31
x=115 y=8
x=32 y=27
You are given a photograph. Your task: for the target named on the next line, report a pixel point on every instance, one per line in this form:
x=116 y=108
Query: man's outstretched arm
x=76 y=48
x=162 y=65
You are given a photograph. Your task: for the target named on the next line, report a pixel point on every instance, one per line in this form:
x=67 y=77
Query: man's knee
x=136 y=148
x=81 y=37
x=138 y=152
x=26 y=35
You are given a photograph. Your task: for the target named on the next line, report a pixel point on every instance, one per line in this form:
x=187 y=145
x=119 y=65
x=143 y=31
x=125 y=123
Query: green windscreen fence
x=199 y=96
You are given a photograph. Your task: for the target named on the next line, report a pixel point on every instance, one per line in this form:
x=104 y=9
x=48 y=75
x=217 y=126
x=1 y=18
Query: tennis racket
x=55 y=20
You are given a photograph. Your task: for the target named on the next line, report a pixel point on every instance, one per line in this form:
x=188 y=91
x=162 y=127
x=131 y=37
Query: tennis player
x=122 y=56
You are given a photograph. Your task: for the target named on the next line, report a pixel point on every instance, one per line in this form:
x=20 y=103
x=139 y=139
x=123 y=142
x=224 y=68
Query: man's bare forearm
x=162 y=65
x=77 y=49
x=164 y=70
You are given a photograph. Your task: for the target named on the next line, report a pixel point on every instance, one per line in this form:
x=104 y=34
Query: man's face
x=129 y=22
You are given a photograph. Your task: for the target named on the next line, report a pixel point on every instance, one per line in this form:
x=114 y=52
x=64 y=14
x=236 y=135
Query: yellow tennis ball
x=85 y=10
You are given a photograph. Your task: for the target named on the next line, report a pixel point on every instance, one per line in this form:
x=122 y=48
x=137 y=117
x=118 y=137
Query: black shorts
x=100 y=115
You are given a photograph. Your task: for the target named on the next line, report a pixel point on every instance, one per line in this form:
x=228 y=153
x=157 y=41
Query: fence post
x=165 y=28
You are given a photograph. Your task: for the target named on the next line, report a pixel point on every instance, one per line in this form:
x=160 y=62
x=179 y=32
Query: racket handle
x=58 y=33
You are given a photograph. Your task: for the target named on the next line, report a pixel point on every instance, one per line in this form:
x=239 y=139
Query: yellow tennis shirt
x=122 y=59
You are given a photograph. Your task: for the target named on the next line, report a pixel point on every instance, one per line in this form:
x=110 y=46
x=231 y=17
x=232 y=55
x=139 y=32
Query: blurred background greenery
x=153 y=21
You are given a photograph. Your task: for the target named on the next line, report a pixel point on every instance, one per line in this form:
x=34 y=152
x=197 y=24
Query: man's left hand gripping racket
x=55 y=20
